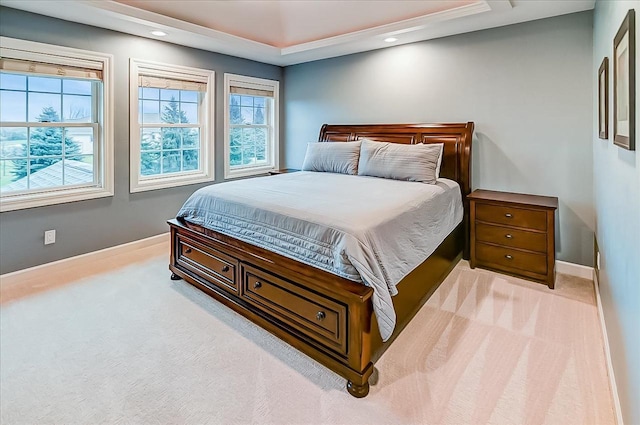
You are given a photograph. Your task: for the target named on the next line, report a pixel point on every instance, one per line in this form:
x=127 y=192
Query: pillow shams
x=418 y=163
x=440 y=155
x=332 y=157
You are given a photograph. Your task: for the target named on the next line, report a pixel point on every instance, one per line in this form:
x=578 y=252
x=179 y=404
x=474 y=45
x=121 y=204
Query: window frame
x=274 y=133
x=103 y=184
x=206 y=114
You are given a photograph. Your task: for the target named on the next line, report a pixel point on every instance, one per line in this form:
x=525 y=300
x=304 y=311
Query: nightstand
x=283 y=171
x=514 y=233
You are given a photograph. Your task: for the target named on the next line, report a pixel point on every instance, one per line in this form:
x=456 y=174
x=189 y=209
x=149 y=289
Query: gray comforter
x=365 y=229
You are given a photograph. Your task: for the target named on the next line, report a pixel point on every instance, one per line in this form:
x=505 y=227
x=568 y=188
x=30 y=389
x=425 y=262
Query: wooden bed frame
x=325 y=316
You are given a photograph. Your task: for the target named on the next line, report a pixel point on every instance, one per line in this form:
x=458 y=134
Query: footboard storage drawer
x=213 y=266
x=321 y=318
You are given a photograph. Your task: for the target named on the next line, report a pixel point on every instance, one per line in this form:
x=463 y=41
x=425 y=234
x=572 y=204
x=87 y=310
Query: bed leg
x=175 y=277
x=358 y=391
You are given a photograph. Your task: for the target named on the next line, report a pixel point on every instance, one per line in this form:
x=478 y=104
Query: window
x=55 y=125
x=171 y=129
x=251 y=125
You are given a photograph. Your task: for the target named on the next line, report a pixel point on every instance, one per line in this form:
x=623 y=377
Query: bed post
x=465 y=186
x=360 y=345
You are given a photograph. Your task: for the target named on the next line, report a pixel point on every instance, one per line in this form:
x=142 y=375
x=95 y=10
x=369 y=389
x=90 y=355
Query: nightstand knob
x=257 y=285
x=508 y=215
x=225 y=269
x=320 y=315
x=508 y=236
x=508 y=257
x=187 y=250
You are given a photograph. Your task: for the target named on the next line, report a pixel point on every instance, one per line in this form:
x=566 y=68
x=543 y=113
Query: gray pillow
x=332 y=157
x=416 y=163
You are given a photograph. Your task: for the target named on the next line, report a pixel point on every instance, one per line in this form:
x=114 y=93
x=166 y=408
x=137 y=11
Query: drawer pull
x=508 y=257
x=257 y=285
x=508 y=215
x=320 y=315
x=225 y=269
x=508 y=236
x=187 y=250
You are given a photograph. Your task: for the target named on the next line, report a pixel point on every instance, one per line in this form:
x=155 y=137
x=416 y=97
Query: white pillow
x=439 y=158
x=332 y=157
x=418 y=163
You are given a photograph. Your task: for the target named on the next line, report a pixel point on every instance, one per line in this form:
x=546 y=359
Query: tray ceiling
x=287 y=23
x=287 y=32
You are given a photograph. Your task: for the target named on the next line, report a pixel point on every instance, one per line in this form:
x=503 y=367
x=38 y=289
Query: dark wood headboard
x=456 y=162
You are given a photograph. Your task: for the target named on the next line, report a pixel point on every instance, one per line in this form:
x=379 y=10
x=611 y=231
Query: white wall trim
x=573 y=269
x=607 y=353
x=13 y=278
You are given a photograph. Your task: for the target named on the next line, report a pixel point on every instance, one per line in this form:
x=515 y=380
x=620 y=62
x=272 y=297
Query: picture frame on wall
x=603 y=99
x=624 y=85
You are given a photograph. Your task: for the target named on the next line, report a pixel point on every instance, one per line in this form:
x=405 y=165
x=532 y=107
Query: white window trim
x=29 y=50
x=229 y=79
x=207 y=174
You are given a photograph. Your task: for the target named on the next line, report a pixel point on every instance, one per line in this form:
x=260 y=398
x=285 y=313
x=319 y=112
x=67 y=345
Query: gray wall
x=617 y=205
x=527 y=87
x=91 y=225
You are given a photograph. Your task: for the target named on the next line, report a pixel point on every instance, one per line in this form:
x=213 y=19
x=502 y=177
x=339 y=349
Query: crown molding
x=390 y=30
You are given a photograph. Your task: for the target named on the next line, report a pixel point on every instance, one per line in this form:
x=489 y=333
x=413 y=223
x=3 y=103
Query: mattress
x=365 y=229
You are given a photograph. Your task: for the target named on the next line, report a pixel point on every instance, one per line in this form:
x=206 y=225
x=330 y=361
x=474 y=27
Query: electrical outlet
x=49 y=237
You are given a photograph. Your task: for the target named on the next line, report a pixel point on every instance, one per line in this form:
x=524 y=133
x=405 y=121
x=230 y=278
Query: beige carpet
x=133 y=347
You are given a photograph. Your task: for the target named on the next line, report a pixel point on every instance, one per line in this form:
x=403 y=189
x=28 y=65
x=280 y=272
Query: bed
x=323 y=312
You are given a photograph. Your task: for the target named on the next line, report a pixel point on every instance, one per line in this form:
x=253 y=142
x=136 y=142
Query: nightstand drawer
x=509 y=237
x=507 y=259
x=510 y=216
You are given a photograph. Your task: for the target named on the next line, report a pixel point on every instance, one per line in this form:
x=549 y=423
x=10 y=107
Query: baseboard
x=607 y=354
x=573 y=269
x=34 y=279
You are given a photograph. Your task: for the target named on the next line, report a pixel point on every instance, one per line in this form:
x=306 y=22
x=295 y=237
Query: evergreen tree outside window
x=249 y=130
x=45 y=147
x=46 y=121
x=168 y=144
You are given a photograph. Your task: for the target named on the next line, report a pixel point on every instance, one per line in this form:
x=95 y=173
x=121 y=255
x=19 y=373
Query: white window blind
x=170 y=83
x=48 y=69
x=247 y=91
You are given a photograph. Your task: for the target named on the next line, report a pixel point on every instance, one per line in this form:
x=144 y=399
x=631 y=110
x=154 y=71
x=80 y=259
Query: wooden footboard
x=324 y=316
x=327 y=317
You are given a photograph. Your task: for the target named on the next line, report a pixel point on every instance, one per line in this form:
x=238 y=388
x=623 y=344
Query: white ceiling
x=286 y=32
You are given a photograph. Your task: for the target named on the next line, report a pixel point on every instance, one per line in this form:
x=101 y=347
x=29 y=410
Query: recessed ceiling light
x=159 y=33
x=390 y=39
